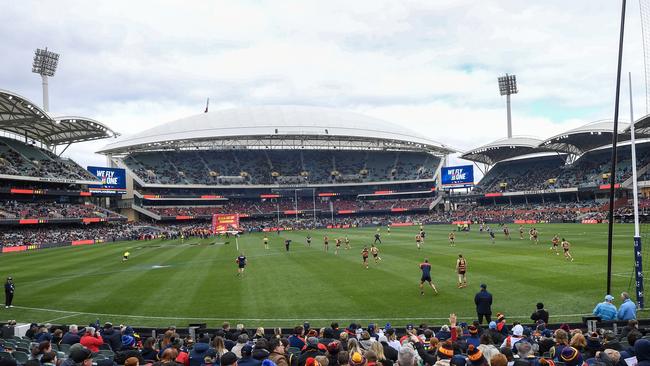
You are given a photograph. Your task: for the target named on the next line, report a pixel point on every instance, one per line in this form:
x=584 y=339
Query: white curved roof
x=505 y=148
x=584 y=138
x=23 y=117
x=273 y=122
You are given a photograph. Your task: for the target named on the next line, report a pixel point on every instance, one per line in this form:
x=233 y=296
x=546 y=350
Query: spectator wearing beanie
x=501 y=324
x=247 y=357
x=228 y=359
x=356 y=359
x=473 y=336
x=540 y=314
x=475 y=356
x=310 y=350
x=571 y=357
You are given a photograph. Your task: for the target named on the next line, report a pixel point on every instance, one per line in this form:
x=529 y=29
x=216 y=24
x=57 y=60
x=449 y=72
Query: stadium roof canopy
x=24 y=118
x=272 y=127
x=582 y=139
x=641 y=127
x=504 y=149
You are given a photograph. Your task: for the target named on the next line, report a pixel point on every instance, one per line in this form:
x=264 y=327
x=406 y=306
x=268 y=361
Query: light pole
x=45 y=63
x=508 y=86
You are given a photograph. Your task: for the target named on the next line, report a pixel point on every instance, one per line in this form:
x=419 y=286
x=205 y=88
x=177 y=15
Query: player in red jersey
x=364 y=254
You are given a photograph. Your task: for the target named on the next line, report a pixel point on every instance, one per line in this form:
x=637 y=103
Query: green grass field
x=166 y=282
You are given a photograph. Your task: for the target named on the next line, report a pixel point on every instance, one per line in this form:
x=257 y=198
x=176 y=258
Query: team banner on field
x=224 y=222
x=638 y=267
x=113 y=180
x=462 y=175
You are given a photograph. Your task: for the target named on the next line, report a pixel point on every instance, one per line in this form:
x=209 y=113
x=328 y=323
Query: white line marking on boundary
x=74 y=313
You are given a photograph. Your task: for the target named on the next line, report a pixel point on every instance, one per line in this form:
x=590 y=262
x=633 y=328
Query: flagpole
x=638 y=265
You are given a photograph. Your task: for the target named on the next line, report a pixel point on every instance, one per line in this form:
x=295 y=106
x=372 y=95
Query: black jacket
x=309 y=352
x=540 y=314
x=70 y=338
x=112 y=338
x=483 y=301
x=9 y=288
x=389 y=352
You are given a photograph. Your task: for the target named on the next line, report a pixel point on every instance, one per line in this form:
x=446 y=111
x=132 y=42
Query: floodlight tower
x=45 y=63
x=508 y=86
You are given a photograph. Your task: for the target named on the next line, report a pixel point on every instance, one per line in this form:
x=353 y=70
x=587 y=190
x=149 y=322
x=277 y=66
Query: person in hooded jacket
x=200 y=351
x=310 y=350
x=642 y=350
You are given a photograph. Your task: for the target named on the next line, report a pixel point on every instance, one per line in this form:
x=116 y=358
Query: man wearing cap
x=606 y=310
x=483 y=302
x=81 y=356
x=112 y=337
x=517 y=336
x=10 y=288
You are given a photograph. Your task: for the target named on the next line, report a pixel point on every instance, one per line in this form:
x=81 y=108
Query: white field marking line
x=61 y=317
x=75 y=313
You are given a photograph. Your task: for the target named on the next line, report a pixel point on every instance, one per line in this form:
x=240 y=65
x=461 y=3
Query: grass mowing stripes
x=168 y=282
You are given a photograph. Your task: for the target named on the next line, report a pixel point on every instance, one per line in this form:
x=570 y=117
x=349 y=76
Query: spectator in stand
x=148 y=351
x=242 y=340
x=483 y=302
x=407 y=357
x=311 y=350
x=606 y=310
x=296 y=340
x=247 y=357
x=278 y=352
x=112 y=337
x=540 y=314
x=627 y=310
x=71 y=336
x=92 y=340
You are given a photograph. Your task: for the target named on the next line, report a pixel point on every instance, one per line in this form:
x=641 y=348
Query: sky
x=430 y=65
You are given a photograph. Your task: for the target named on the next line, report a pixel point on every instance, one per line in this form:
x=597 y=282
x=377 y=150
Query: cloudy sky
x=430 y=65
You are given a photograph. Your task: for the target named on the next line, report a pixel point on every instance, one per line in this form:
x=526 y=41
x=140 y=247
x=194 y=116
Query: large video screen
x=113 y=180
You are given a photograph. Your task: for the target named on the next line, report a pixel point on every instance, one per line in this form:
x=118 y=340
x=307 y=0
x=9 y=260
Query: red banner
x=82 y=242
x=28 y=221
x=397 y=224
x=342 y=212
x=493 y=194
x=269 y=196
x=21 y=191
x=383 y=192
x=88 y=220
x=398 y=209
x=592 y=221
x=292 y=212
x=461 y=222
x=85 y=194
x=224 y=222
x=607 y=186
x=209 y=197
x=327 y=194
x=184 y=217
x=525 y=222
x=20 y=248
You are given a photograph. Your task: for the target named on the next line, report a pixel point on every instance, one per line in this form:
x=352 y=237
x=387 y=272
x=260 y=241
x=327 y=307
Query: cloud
x=428 y=65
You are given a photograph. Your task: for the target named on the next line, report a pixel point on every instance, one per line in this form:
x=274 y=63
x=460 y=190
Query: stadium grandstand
x=39 y=187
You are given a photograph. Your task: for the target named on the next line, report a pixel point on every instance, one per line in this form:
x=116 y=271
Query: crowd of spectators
x=551 y=172
x=252 y=207
x=18 y=158
x=13 y=209
x=280 y=166
x=500 y=343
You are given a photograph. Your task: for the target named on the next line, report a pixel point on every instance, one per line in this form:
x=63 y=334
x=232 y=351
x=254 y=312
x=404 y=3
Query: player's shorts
x=326 y=243
x=338 y=245
x=555 y=245
x=375 y=255
x=242 y=266
x=126 y=257
x=365 y=257
x=461 y=272
x=565 y=250
x=535 y=237
x=425 y=279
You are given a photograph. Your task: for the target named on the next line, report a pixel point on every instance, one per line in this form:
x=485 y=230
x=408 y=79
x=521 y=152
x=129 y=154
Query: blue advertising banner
x=458 y=175
x=638 y=269
x=113 y=180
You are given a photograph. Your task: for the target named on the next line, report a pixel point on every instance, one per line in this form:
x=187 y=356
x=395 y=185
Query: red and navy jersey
x=426 y=269
x=364 y=253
